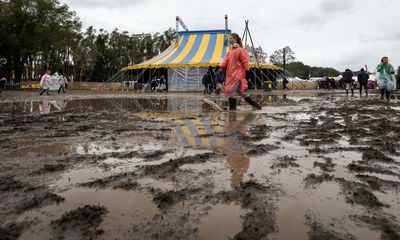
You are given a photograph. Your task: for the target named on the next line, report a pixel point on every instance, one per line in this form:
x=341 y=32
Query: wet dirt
x=310 y=165
x=81 y=223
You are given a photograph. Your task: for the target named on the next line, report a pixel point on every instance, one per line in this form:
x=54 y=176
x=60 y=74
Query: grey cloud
x=375 y=37
x=336 y=6
x=310 y=21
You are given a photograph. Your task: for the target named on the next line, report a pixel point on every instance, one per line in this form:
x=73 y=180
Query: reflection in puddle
x=238 y=163
x=124 y=210
x=221 y=222
x=49 y=149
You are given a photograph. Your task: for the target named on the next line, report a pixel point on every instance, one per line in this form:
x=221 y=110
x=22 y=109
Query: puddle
x=331 y=207
x=127 y=104
x=124 y=210
x=221 y=222
x=187 y=189
x=47 y=149
x=78 y=176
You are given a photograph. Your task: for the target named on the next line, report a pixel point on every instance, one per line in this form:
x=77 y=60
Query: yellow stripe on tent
x=161 y=61
x=186 y=50
x=202 y=50
x=218 y=49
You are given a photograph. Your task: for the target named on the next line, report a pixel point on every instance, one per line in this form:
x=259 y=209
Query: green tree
x=36 y=34
x=282 y=57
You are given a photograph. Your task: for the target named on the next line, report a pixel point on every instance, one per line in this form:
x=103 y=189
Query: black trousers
x=365 y=86
x=383 y=91
x=62 y=87
x=44 y=90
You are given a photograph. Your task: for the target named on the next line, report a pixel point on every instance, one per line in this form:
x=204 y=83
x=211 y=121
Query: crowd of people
x=385 y=79
x=213 y=80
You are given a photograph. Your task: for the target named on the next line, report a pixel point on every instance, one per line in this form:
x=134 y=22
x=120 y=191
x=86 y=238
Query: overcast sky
x=335 y=33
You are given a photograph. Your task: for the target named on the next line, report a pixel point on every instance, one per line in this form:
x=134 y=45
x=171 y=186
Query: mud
x=18 y=197
x=12 y=231
x=260 y=221
x=285 y=162
x=81 y=223
x=357 y=193
x=320 y=232
x=164 y=200
x=313 y=179
x=118 y=181
x=310 y=165
x=389 y=230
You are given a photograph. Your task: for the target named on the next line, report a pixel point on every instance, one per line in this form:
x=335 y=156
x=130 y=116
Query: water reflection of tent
x=185 y=62
x=198 y=133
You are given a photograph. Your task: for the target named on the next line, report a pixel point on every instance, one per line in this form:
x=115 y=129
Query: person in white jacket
x=62 y=81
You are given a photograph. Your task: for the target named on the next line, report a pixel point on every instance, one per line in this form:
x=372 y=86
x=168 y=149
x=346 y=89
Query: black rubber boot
x=253 y=103
x=387 y=95
x=232 y=103
x=382 y=93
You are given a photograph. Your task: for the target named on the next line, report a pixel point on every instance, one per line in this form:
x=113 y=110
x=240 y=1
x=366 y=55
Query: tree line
x=285 y=58
x=43 y=34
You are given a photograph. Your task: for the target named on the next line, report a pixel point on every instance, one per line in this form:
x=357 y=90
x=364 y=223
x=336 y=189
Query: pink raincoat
x=236 y=64
x=46 y=82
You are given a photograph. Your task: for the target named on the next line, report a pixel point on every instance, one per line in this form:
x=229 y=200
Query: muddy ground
x=310 y=165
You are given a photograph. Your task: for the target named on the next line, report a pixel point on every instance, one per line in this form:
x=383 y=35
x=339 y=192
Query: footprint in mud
x=320 y=232
x=81 y=223
x=357 y=193
x=389 y=230
x=20 y=197
x=11 y=231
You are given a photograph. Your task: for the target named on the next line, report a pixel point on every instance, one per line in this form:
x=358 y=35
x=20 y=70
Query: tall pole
x=177 y=23
x=284 y=59
x=226 y=31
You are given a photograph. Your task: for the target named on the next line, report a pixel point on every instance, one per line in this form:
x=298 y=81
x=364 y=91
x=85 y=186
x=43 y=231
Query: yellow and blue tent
x=194 y=49
x=186 y=61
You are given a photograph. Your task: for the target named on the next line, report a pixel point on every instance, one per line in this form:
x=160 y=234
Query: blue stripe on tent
x=194 y=49
x=182 y=136
x=210 y=130
x=179 y=50
x=210 y=49
x=194 y=132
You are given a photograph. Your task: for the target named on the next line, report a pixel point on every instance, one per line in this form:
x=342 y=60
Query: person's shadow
x=238 y=163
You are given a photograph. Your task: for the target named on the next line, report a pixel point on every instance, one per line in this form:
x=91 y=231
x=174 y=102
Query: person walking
x=154 y=84
x=4 y=74
x=46 y=82
x=348 y=81
x=363 y=81
x=285 y=83
x=236 y=64
x=385 y=78
x=62 y=81
x=219 y=80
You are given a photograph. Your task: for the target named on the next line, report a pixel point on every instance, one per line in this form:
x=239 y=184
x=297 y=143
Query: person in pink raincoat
x=236 y=64
x=46 y=82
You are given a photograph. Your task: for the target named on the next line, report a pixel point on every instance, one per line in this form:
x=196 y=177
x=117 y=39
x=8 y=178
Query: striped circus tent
x=186 y=61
